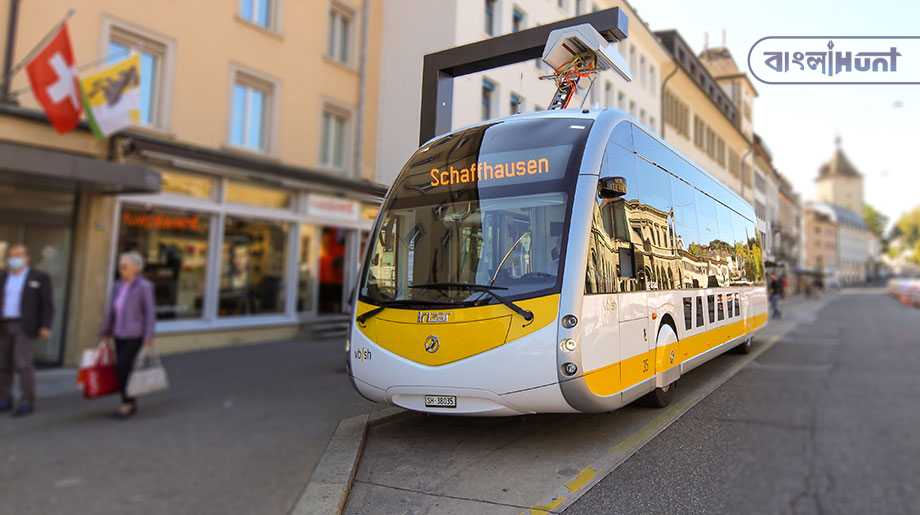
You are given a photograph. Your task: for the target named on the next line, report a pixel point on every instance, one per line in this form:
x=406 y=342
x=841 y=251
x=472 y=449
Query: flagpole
x=37 y=48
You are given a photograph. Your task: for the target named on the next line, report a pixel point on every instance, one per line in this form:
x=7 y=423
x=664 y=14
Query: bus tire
x=744 y=347
x=659 y=397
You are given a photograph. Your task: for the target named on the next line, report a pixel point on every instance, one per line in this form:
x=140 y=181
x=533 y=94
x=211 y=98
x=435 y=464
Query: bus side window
x=711 y=302
x=688 y=313
x=699 y=311
x=720 y=306
x=601 y=270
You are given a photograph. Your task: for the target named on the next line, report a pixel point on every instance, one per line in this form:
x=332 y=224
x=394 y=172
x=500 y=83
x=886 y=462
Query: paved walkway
x=239 y=432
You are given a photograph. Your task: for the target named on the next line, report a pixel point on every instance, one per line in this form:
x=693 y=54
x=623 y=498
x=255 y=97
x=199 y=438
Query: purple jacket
x=138 y=315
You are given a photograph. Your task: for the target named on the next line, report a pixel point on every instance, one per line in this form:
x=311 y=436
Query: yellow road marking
x=582 y=479
x=543 y=509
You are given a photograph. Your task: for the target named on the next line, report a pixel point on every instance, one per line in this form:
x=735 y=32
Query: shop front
x=237 y=256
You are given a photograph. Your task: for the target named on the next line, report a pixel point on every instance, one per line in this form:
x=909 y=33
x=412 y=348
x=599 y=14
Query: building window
x=579 y=7
x=488 y=97
x=152 y=56
x=517 y=20
x=338 y=47
x=651 y=123
x=333 y=144
x=250 y=120
x=174 y=244
x=515 y=103
x=621 y=101
x=643 y=73
x=258 y=12
x=632 y=107
x=253 y=267
x=608 y=94
x=734 y=163
x=490 y=17
x=652 y=81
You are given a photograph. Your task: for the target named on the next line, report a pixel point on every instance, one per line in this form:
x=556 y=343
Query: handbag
x=148 y=376
x=97 y=372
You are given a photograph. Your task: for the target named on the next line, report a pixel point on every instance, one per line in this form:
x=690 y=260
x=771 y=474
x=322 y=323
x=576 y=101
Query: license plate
x=440 y=401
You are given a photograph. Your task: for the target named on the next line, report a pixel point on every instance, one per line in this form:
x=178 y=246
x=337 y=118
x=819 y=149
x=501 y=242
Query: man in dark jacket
x=26 y=313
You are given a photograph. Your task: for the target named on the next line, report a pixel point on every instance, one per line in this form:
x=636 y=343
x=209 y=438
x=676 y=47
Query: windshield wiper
x=485 y=288
x=367 y=315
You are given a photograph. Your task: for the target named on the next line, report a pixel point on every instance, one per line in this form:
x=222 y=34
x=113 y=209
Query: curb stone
x=329 y=486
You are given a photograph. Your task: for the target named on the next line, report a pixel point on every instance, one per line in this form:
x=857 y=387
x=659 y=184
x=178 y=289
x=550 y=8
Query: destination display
x=506 y=168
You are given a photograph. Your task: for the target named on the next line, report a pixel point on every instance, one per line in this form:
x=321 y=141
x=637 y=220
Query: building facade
x=702 y=119
x=247 y=187
x=503 y=91
x=840 y=189
x=820 y=227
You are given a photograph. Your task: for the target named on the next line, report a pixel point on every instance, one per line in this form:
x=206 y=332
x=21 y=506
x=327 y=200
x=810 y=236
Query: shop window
x=239 y=192
x=332 y=270
x=186 y=184
x=174 y=245
x=253 y=264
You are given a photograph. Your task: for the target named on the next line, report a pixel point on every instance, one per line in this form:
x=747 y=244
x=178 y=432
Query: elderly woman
x=129 y=321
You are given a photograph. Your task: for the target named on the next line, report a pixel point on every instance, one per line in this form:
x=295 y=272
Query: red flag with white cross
x=53 y=77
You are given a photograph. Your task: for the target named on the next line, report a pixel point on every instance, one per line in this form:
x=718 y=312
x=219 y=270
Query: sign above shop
x=333 y=208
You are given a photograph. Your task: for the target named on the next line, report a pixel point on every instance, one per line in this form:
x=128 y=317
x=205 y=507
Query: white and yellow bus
x=560 y=261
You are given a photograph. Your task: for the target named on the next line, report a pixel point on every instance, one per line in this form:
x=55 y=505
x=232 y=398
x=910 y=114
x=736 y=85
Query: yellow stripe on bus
x=616 y=377
x=467 y=332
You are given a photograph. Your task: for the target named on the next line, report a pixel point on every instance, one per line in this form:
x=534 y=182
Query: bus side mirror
x=612 y=187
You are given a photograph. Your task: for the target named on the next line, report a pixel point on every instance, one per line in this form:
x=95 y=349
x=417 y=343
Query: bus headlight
x=568 y=345
x=569 y=321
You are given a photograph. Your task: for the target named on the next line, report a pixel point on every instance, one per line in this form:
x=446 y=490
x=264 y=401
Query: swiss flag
x=54 y=82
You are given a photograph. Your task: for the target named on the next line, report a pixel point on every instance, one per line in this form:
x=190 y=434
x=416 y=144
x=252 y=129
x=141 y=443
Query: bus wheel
x=745 y=346
x=659 y=397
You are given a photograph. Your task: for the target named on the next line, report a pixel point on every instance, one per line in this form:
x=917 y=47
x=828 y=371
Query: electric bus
x=559 y=261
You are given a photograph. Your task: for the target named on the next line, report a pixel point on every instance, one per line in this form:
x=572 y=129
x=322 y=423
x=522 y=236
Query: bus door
x=635 y=341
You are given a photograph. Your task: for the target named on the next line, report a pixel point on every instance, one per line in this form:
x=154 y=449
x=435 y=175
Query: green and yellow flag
x=112 y=96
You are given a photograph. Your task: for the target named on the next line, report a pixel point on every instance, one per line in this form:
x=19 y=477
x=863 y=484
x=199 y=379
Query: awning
x=24 y=165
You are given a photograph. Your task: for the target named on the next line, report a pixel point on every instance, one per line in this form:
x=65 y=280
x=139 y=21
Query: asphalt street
x=824 y=422
x=240 y=431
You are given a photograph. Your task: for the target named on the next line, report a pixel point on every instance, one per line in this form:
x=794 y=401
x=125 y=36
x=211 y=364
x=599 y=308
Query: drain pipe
x=12 y=24
x=362 y=94
x=664 y=84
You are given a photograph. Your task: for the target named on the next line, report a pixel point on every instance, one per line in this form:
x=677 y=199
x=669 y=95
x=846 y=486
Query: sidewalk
x=240 y=431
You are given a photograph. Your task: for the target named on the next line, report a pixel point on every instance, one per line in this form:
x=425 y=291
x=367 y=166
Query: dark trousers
x=126 y=350
x=16 y=356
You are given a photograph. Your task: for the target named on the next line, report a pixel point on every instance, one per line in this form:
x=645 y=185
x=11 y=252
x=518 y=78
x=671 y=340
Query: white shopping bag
x=148 y=376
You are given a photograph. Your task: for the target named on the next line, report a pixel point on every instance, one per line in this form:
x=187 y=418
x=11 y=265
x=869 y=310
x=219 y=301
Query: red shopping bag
x=98 y=375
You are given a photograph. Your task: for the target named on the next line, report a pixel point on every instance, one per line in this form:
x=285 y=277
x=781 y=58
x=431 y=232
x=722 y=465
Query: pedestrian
x=775 y=291
x=129 y=321
x=26 y=313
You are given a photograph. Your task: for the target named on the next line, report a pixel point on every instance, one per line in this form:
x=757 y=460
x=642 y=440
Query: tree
x=908 y=227
x=875 y=220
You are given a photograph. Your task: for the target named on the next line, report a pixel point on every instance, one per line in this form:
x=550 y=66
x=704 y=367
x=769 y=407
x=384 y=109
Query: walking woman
x=129 y=321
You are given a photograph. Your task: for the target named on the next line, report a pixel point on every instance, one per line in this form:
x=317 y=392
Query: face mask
x=16 y=263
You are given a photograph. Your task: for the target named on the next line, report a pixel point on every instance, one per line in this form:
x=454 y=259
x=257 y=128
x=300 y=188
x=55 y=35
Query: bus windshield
x=479 y=212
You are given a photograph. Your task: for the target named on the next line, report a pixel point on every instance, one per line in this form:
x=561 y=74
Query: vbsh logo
x=836 y=60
